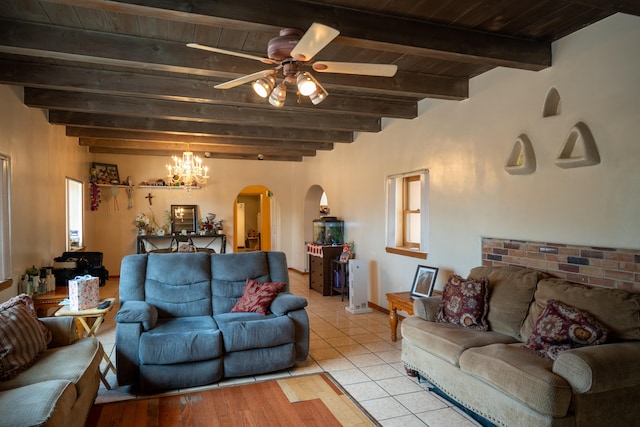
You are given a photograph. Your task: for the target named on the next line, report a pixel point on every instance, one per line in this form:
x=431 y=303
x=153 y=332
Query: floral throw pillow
x=258 y=296
x=465 y=303
x=563 y=327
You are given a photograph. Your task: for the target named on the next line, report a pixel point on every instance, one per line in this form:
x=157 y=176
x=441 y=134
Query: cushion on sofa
x=511 y=293
x=185 y=339
x=258 y=296
x=178 y=284
x=246 y=331
x=522 y=374
x=47 y=403
x=561 y=327
x=77 y=364
x=464 y=303
x=22 y=339
x=447 y=341
x=229 y=277
x=618 y=310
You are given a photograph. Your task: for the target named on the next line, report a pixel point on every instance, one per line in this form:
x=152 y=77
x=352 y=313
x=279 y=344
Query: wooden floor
x=312 y=400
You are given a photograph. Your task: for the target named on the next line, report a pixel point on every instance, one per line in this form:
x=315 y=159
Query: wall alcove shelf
x=522 y=159
x=579 y=148
x=551 y=103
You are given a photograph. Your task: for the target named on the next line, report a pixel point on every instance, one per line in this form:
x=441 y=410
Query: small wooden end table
x=97 y=314
x=42 y=303
x=398 y=301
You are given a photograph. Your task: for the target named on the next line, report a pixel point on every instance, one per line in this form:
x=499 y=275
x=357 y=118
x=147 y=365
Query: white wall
x=464 y=145
x=41 y=157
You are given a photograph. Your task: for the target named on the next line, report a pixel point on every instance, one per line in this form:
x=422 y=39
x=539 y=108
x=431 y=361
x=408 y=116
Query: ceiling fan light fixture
x=278 y=96
x=306 y=83
x=264 y=86
x=319 y=95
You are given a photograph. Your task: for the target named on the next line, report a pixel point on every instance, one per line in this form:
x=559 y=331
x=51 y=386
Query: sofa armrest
x=64 y=330
x=138 y=312
x=426 y=308
x=600 y=368
x=285 y=302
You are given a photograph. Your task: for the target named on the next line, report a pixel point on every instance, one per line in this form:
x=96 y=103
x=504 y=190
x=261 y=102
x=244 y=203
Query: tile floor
x=355 y=349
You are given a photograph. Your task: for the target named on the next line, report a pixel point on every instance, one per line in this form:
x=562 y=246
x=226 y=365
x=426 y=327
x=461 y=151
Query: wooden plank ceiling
x=118 y=75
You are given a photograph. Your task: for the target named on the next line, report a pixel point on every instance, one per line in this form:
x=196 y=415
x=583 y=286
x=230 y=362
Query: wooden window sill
x=5 y=284
x=406 y=252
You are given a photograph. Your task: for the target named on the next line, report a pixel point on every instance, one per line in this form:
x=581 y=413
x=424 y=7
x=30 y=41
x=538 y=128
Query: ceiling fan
x=291 y=52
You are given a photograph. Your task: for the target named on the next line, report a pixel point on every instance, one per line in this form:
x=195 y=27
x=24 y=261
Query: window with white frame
x=408 y=213
x=5 y=220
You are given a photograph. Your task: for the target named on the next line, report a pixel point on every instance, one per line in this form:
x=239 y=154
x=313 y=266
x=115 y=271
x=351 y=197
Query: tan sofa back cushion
x=617 y=309
x=512 y=290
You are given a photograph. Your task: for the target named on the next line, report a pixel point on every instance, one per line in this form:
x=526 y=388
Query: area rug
x=309 y=400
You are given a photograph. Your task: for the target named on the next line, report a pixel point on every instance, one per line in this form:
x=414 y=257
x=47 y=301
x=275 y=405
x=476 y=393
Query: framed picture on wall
x=424 y=281
x=106 y=173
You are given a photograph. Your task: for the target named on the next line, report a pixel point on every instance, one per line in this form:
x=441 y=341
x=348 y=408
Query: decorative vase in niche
x=160 y=232
x=142 y=232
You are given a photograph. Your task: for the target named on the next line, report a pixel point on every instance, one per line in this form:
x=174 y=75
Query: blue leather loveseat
x=175 y=327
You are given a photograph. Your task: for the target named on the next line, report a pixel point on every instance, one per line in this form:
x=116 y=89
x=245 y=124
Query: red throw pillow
x=563 y=327
x=465 y=303
x=257 y=296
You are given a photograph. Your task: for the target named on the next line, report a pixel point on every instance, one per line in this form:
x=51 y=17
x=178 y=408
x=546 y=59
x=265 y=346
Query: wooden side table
x=42 y=303
x=398 y=301
x=97 y=314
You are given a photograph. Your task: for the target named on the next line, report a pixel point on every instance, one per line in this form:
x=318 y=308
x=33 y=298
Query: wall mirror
x=184 y=219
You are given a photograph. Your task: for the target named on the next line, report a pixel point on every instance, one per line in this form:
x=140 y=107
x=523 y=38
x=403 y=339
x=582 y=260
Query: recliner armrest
x=285 y=302
x=138 y=312
x=600 y=368
x=427 y=308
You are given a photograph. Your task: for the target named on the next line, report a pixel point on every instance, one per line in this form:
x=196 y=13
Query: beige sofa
x=60 y=387
x=492 y=375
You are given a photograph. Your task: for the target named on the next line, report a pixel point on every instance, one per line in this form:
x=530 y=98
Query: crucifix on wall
x=149 y=197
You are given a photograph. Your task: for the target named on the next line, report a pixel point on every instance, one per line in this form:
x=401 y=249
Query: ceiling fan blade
x=230 y=52
x=313 y=41
x=244 y=79
x=363 y=69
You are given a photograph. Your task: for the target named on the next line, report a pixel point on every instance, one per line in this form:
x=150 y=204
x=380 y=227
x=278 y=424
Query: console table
x=151 y=242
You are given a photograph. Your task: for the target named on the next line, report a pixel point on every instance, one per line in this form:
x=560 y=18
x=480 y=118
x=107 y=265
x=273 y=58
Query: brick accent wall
x=590 y=265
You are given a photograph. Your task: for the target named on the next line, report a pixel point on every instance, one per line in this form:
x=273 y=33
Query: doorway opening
x=252 y=229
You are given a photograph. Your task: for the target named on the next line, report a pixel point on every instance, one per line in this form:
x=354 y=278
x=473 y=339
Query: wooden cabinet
x=320 y=269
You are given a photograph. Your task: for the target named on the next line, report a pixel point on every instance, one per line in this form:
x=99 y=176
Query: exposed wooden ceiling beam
x=176 y=110
x=199 y=89
x=116 y=134
x=357 y=28
x=231 y=156
x=72 y=44
x=197 y=128
x=200 y=149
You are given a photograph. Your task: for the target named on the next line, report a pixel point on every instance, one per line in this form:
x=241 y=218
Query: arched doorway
x=252 y=228
x=312 y=210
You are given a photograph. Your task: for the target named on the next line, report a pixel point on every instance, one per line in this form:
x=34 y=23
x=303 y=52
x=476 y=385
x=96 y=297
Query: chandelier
x=187 y=171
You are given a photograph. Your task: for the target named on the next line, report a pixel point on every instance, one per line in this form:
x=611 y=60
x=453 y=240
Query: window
x=408 y=214
x=5 y=222
x=75 y=237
